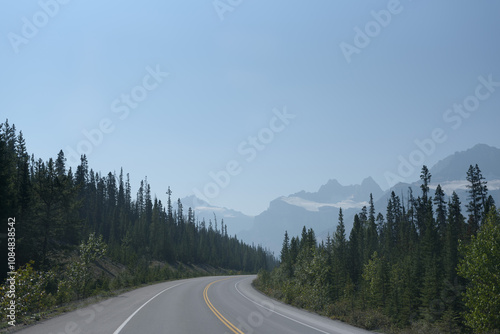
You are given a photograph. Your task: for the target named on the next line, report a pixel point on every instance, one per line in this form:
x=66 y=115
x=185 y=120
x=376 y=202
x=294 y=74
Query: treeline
x=424 y=266
x=56 y=209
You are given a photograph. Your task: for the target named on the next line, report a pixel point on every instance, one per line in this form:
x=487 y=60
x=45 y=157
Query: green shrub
x=78 y=279
x=30 y=292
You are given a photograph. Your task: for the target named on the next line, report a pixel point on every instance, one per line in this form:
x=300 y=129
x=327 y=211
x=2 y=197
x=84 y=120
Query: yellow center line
x=226 y=322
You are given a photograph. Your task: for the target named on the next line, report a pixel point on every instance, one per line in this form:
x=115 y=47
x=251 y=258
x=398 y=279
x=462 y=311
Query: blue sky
x=233 y=66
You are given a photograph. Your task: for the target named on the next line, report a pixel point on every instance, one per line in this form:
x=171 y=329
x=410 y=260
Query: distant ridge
x=236 y=221
x=333 y=192
x=455 y=166
x=319 y=209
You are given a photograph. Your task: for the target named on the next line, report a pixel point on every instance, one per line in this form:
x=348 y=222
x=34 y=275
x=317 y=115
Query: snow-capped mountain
x=236 y=221
x=320 y=209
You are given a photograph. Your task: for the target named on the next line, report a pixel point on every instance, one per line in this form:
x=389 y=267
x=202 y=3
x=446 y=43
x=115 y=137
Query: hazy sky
x=267 y=97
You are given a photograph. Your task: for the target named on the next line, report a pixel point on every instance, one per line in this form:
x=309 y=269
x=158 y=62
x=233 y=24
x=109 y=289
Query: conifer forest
x=423 y=267
x=65 y=220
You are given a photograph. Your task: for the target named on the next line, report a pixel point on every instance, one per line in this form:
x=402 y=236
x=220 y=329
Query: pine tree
x=371 y=232
x=423 y=203
x=374 y=274
x=455 y=230
x=294 y=249
x=111 y=213
x=285 y=250
x=23 y=179
x=490 y=203
x=180 y=212
x=49 y=211
x=8 y=173
x=170 y=215
x=61 y=164
x=354 y=246
x=478 y=191
x=4 y=183
x=400 y=233
x=340 y=274
x=71 y=229
x=82 y=172
x=52 y=205
x=440 y=211
x=340 y=237
x=429 y=245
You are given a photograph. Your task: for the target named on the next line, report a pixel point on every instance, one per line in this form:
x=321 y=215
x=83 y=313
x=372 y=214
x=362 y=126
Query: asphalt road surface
x=200 y=305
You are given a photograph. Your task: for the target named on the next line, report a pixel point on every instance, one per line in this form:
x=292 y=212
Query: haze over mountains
x=320 y=209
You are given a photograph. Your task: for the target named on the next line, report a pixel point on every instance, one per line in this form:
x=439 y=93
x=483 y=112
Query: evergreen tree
x=170 y=214
x=423 y=203
x=478 y=191
x=440 y=204
x=52 y=205
x=455 y=230
x=24 y=185
x=61 y=164
x=371 y=232
x=49 y=212
x=340 y=274
x=285 y=250
x=354 y=246
x=374 y=274
x=490 y=203
x=480 y=266
x=412 y=274
x=294 y=249
x=429 y=244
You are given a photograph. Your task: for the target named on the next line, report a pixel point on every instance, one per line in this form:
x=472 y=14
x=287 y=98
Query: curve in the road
x=273 y=311
x=226 y=322
x=200 y=305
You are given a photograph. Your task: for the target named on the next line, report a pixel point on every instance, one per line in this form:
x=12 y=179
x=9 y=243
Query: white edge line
x=118 y=330
x=273 y=311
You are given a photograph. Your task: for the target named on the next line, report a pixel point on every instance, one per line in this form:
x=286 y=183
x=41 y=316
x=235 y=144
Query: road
x=199 y=305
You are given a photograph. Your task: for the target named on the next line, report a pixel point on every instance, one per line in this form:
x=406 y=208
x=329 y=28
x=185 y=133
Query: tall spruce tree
x=371 y=232
x=440 y=204
x=354 y=257
x=478 y=192
x=340 y=274
x=429 y=246
x=455 y=230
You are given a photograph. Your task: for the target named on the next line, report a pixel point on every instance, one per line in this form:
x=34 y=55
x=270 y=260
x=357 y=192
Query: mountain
x=236 y=221
x=455 y=166
x=334 y=193
x=451 y=174
x=319 y=210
